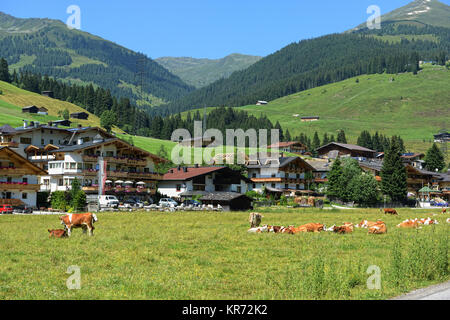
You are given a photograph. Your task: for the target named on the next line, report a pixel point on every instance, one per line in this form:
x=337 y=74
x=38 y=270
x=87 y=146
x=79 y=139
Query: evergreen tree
x=108 y=120
x=334 y=176
x=341 y=137
x=4 y=71
x=325 y=140
x=434 y=159
x=393 y=173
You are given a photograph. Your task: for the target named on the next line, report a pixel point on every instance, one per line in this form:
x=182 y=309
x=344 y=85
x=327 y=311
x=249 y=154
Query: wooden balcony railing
x=9 y=144
x=17 y=186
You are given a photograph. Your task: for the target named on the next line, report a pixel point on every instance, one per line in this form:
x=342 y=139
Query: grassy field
x=206 y=255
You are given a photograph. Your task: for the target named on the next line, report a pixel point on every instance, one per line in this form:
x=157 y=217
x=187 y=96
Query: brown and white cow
x=80 y=220
x=367 y=223
x=390 y=211
x=409 y=224
x=346 y=228
x=379 y=228
x=57 y=233
x=309 y=227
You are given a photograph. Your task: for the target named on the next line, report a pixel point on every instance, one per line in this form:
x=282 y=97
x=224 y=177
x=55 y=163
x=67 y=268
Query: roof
x=282 y=160
x=347 y=146
x=285 y=144
x=311 y=117
x=222 y=196
x=412 y=155
x=319 y=165
x=36 y=169
x=7 y=129
x=82 y=112
x=29 y=107
x=191 y=172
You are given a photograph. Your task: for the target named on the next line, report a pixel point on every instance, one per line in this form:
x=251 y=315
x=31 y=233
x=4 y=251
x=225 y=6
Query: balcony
x=7 y=171
x=90 y=189
x=90 y=172
x=49 y=157
x=19 y=186
x=9 y=144
x=137 y=162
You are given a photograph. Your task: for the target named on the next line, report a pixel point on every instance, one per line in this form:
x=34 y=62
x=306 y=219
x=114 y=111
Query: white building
x=187 y=181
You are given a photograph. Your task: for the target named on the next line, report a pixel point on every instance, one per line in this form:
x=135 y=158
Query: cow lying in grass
x=57 y=233
x=448 y=220
x=309 y=227
x=408 y=223
x=379 y=228
x=346 y=228
x=367 y=224
x=428 y=221
x=262 y=229
x=80 y=220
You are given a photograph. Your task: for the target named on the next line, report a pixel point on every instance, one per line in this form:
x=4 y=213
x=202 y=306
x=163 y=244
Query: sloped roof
x=191 y=172
x=285 y=144
x=347 y=146
x=7 y=129
x=222 y=196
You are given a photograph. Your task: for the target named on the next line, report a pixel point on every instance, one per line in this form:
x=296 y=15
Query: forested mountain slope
x=49 y=47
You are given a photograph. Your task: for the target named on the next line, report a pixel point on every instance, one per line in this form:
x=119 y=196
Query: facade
x=291 y=146
x=321 y=169
x=75 y=152
x=188 y=181
x=414 y=159
x=229 y=201
x=43 y=111
x=283 y=173
x=334 y=149
x=442 y=137
x=19 y=179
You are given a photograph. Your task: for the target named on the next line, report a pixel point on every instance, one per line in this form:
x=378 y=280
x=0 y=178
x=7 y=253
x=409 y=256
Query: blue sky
x=206 y=28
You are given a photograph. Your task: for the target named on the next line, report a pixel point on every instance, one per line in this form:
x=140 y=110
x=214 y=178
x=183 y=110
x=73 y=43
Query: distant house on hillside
x=30 y=109
x=313 y=118
x=65 y=123
x=261 y=102
x=47 y=94
x=80 y=115
x=43 y=111
x=442 y=137
x=334 y=149
x=290 y=146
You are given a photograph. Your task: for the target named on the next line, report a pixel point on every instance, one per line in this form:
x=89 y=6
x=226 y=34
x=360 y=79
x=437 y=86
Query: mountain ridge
x=200 y=72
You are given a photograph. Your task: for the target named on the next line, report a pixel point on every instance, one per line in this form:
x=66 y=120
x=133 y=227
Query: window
x=253 y=175
x=239 y=189
x=178 y=187
x=254 y=186
x=51 y=141
x=8 y=179
x=25 y=180
x=286 y=186
x=273 y=185
x=42 y=141
x=24 y=140
x=273 y=175
x=24 y=195
x=11 y=165
x=60 y=182
x=146 y=170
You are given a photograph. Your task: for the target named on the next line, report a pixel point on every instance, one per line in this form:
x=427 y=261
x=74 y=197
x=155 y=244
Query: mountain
x=428 y=12
x=412 y=106
x=201 y=72
x=327 y=59
x=49 y=47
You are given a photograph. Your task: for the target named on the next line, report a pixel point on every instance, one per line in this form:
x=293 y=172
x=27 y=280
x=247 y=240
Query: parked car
x=106 y=201
x=167 y=202
x=23 y=209
x=191 y=202
x=6 y=209
x=133 y=203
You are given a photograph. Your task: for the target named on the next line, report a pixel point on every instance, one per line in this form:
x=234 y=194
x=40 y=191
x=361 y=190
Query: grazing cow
x=255 y=219
x=367 y=224
x=390 y=211
x=309 y=227
x=80 y=220
x=378 y=229
x=444 y=210
x=57 y=233
x=409 y=224
x=262 y=229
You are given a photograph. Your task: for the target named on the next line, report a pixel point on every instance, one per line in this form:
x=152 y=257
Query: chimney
x=36 y=124
x=50 y=123
x=196 y=165
x=179 y=168
x=185 y=169
x=80 y=141
x=25 y=123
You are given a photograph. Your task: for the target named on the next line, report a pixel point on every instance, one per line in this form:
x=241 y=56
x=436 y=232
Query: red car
x=6 y=208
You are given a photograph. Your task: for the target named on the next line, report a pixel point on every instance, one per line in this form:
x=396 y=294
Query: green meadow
x=210 y=255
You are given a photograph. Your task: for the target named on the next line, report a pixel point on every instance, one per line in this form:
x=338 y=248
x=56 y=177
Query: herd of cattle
x=373 y=227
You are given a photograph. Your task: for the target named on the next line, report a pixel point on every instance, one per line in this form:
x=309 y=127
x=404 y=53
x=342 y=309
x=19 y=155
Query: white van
x=106 y=201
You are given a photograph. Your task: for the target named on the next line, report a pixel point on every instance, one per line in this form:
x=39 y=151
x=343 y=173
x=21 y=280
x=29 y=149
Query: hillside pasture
x=210 y=255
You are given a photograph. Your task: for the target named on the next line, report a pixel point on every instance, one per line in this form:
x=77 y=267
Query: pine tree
x=334 y=176
x=434 y=159
x=288 y=135
x=341 y=137
x=4 y=71
x=393 y=173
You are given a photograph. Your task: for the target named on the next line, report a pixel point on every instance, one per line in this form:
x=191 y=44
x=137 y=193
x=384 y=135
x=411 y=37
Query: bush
x=59 y=200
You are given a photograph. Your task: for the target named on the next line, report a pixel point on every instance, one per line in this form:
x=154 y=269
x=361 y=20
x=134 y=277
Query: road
x=437 y=292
